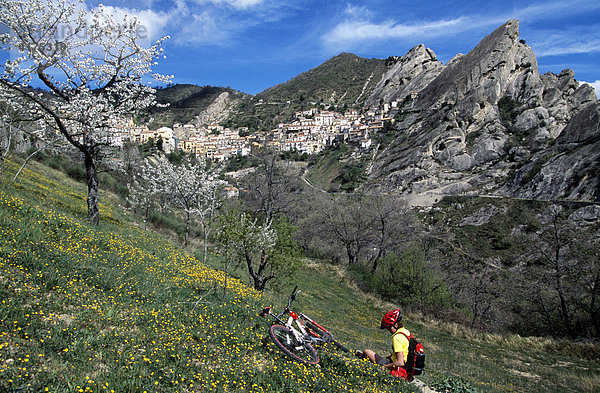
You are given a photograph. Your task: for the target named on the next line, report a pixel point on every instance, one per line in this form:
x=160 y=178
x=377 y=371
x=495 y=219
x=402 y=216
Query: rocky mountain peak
x=500 y=65
x=584 y=126
x=485 y=123
x=421 y=54
x=409 y=74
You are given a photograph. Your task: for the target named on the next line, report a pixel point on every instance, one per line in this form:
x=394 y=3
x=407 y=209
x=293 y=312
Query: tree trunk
x=374 y=267
x=226 y=282
x=351 y=254
x=563 y=307
x=92 y=183
x=564 y=311
x=258 y=279
x=187 y=227
x=206 y=234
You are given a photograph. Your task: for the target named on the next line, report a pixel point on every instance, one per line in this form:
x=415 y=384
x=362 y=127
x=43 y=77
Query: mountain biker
x=392 y=321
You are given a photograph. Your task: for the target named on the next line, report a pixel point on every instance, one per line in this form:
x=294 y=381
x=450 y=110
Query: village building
x=309 y=132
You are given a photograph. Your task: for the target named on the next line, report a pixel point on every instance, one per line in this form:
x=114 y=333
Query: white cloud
x=573 y=40
x=152 y=24
x=359 y=12
x=204 y=28
x=595 y=85
x=238 y=4
x=221 y=22
x=243 y=4
x=568 y=48
x=557 y=9
x=351 y=32
x=358 y=25
x=192 y=22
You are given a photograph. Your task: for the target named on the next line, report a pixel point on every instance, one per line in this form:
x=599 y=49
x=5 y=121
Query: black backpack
x=415 y=361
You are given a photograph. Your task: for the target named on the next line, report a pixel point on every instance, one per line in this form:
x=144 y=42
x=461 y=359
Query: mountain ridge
x=480 y=120
x=486 y=122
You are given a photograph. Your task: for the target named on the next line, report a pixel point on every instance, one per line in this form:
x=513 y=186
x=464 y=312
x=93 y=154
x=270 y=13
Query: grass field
x=114 y=308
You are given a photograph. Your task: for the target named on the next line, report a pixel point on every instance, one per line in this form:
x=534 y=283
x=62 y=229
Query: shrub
x=114 y=184
x=352 y=176
x=506 y=107
x=453 y=385
x=407 y=280
x=76 y=171
x=169 y=221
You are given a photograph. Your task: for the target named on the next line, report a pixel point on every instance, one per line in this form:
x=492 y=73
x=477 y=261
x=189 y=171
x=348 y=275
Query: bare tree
x=393 y=224
x=271 y=186
x=350 y=221
x=131 y=161
x=556 y=265
x=366 y=227
x=560 y=281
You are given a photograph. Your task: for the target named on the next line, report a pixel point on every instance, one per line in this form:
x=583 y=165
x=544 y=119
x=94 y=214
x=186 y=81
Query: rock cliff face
x=218 y=110
x=487 y=122
x=413 y=72
x=570 y=168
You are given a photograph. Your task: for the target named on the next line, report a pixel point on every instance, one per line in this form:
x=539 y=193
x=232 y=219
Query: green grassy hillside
x=116 y=309
x=113 y=308
x=344 y=80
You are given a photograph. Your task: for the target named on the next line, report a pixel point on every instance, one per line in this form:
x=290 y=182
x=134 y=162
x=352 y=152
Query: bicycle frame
x=300 y=331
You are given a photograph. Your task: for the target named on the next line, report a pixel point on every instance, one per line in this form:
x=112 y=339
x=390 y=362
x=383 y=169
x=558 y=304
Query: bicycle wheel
x=325 y=336
x=286 y=341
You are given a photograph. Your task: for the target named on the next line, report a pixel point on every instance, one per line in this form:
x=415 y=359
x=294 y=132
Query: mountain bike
x=297 y=334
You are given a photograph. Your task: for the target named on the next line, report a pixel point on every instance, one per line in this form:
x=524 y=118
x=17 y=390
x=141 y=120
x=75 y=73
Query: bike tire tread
x=313 y=353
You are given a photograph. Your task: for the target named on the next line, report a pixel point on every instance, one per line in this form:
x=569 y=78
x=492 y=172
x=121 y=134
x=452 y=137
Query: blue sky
x=251 y=45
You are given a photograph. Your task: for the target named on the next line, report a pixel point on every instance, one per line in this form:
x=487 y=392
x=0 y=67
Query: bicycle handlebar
x=267 y=310
x=293 y=296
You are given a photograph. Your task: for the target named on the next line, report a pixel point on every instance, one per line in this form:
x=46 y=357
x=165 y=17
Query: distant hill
x=188 y=102
x=343 y=81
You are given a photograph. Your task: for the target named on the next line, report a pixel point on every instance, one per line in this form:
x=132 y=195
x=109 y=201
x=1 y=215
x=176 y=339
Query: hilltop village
x=310 y=132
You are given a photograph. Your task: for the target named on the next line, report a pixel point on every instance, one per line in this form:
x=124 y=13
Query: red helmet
x=390 y=318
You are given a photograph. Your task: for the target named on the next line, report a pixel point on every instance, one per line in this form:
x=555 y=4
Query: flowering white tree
x=191 y=188
x=244 y=238
x=93 y=66
x=208 y=201
x=11 y=125
x=141 y=198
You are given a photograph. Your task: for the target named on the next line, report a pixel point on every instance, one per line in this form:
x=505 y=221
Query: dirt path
x=424 y=388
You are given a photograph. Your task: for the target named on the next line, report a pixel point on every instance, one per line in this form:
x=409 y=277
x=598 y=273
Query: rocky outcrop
x=569 y=169
x=410 y=73
x=485 y=122
x=218 y=110
x=500 y=65
x=481 y=217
